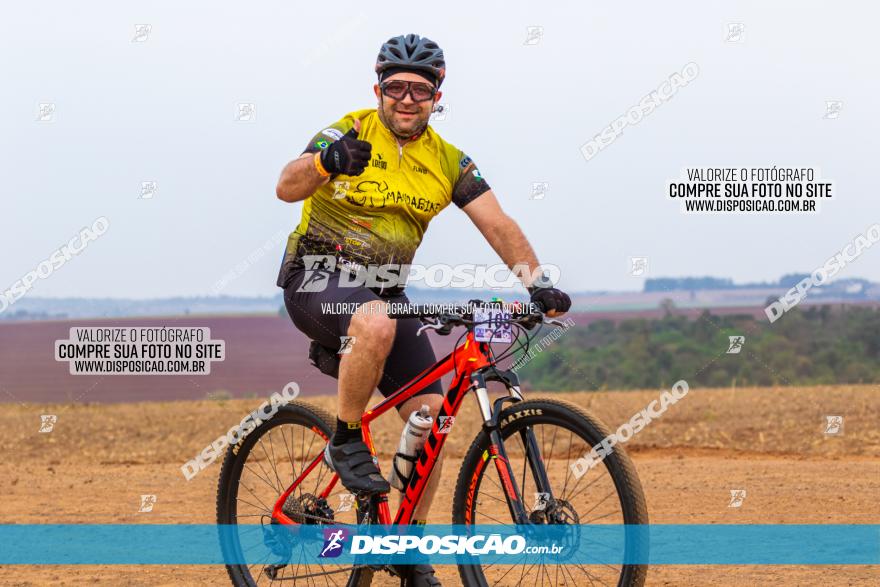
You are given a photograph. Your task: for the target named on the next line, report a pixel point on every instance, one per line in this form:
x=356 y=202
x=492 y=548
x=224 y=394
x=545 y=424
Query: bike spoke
x=260 y=443
x=327 y=578
x=552 y=444
x=307 y=453
x=293 y=474
x=590 y=575
x=297 y=572
x=489 y=495
x=565 y=570
x=265 y=507
x=494 y=482
x=567 y=459
x=523 y=576
x=323 y=469
x=613 y=492
x=590 y=484
x=274 y=468
x=495 y=519
x=260 y=477
x=603 y=516
x=512 y=566
x=252 y=565
x=574 y=502
x=253 y=507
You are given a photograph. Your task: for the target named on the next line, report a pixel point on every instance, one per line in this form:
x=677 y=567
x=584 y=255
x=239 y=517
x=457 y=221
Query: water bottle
x=412 y=439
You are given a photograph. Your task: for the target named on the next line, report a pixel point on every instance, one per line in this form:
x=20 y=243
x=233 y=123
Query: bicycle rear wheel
x=608 y=494
x=252 y=480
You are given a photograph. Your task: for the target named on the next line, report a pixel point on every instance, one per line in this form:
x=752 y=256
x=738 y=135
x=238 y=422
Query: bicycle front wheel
x=607 y=494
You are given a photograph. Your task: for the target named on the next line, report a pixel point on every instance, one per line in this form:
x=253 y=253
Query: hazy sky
x=163 y=109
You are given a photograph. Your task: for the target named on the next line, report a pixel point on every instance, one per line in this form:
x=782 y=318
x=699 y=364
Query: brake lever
x=428 y=327
x=544 y=319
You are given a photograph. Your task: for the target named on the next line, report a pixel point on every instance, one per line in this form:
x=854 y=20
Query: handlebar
x=442 y=318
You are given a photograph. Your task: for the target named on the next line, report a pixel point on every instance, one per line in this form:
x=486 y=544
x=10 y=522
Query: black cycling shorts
x=410 y=354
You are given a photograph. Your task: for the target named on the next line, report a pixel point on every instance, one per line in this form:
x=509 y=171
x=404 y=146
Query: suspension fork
x=536 y=462
x=497 y=452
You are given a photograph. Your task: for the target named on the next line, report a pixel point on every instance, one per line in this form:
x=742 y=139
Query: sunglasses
x=418 y=91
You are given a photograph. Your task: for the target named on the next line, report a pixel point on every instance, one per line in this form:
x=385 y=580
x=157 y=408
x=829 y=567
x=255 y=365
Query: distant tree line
x=819 y=345
x=784 y=283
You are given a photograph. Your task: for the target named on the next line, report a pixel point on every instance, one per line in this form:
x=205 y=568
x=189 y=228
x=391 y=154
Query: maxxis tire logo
x=521 y=414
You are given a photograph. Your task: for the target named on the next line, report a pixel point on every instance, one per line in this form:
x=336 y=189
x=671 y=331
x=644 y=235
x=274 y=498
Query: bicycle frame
x=469 y=361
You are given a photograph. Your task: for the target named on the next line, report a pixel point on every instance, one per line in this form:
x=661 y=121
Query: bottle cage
x=405 y=478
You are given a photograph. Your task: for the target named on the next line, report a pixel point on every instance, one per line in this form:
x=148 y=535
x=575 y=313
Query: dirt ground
x=99 y=459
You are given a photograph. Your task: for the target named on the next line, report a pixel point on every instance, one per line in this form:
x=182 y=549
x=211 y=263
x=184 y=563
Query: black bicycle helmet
x=411 y=53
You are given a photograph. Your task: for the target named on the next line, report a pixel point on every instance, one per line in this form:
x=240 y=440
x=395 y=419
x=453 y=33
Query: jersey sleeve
x=470 y=184
x=323 y=138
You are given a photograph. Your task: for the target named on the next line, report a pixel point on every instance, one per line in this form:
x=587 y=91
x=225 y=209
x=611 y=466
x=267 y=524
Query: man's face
x=405 y=117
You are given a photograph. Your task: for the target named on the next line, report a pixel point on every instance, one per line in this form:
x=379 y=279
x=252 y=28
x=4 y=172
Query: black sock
x=346 y=432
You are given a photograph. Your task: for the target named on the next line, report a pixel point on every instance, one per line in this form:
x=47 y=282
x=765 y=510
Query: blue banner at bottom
x=154 y=544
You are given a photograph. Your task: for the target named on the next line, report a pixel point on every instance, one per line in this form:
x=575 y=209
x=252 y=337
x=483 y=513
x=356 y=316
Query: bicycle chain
x=271 y=571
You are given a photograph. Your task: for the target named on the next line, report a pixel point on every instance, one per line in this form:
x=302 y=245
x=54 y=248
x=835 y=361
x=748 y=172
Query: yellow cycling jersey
x=380 y=216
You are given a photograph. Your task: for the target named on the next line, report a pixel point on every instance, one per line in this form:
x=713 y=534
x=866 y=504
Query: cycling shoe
x=356 y=468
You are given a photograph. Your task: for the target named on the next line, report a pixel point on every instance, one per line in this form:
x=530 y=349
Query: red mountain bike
x=277 y=474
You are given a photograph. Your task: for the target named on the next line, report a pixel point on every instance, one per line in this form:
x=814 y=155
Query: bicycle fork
x=497 y=451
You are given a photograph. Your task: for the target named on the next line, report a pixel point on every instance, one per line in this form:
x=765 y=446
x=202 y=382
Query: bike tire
x=592 y=431
x=298 y=413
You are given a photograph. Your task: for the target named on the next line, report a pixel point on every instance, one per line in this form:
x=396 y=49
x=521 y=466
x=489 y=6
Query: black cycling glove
x=550 y=298
x=348 y=155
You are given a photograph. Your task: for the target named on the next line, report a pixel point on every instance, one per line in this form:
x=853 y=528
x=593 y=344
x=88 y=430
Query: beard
x=404 y=129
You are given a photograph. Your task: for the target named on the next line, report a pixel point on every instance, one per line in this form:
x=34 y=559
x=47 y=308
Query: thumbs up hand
x=348 y=155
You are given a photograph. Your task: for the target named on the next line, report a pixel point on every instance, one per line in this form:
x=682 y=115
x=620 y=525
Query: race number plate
x=494 y=327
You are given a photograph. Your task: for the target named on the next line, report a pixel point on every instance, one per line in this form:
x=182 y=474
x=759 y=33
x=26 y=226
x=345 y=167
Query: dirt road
x=99 y=459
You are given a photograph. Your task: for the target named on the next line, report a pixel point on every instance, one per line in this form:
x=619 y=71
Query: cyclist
x=372 y=182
